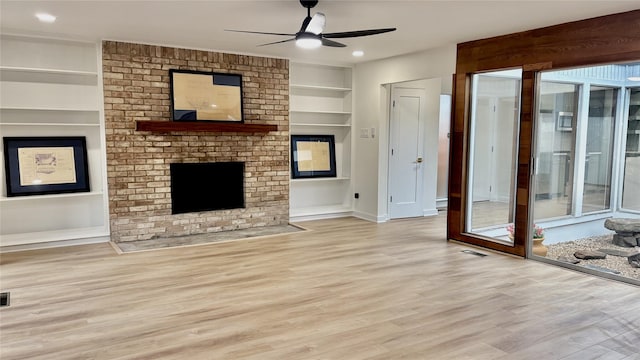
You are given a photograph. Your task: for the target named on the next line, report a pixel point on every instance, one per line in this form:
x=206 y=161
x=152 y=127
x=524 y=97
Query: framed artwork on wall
x=205 y=96
x=45 y=165
x=313 y=156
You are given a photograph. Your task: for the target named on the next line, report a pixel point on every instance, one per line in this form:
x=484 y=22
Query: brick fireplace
x=136 y=88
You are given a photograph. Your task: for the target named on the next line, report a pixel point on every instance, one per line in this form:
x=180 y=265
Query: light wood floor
x=349 y=289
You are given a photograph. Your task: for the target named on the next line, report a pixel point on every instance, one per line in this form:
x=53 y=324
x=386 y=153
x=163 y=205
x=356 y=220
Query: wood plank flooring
x=348 y=289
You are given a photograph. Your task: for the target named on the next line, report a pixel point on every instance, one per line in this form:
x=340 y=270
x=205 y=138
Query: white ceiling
x=200 y=24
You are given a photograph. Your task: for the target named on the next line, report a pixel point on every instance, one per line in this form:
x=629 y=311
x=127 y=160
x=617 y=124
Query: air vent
x=4 y=299
x=474 y=253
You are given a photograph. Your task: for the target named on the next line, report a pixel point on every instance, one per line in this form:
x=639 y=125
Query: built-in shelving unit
x=52 y=87
x=321 y=104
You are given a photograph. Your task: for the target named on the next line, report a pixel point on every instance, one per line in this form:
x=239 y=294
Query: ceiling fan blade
x=350 y=34
x=327 y=42
x=316 y=25
x=277 y=42
x=260 y=32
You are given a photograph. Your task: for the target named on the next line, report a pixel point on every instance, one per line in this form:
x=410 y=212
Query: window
x=631 y=184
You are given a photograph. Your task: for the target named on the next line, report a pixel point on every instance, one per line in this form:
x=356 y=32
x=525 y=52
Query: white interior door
x=406 y=172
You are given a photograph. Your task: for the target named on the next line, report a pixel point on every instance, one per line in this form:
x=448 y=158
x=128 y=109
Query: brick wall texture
x=136 y=88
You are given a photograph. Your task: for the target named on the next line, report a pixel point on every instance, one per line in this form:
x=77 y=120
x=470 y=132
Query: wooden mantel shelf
x=169 y=126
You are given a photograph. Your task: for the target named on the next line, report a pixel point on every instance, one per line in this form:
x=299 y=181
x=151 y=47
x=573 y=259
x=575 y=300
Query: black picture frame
x=193 y=100
x=313 y=156
x=45 y=165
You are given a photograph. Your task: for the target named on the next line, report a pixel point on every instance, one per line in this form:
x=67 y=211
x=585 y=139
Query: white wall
x=371 y=111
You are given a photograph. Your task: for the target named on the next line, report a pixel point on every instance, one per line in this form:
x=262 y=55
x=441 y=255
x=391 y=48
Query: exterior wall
x=136 y=88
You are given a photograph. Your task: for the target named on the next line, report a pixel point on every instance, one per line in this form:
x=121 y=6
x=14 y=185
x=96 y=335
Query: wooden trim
x=605 y=39
x=587 y=42
x=523 y=169
x=182 y=126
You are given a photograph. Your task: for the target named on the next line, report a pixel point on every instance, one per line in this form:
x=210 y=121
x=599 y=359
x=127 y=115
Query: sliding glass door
x=493 y=144
x=631 y=183
x=555 y=155
x=598 y=159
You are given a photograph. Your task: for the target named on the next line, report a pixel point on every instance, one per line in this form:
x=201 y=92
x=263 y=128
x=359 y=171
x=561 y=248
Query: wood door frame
x=595 y=41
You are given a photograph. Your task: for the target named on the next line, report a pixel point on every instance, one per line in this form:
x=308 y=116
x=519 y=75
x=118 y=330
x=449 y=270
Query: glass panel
x=631 y=185
x=493 y=143
x=576 y=119
x=443 y=146
x=599 y=149
x=555 y=138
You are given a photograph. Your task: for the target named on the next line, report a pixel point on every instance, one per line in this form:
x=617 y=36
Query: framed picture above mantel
x=205 y=96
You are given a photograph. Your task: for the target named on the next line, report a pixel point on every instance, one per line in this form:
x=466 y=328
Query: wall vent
x=4 y=299
x=474 y=253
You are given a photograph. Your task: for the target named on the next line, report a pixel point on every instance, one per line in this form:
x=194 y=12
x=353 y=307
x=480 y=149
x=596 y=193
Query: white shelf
x=48 y=76
x=322 y=125
x=51 y=197
x=48 y=71
x=342 y=178
x=31 y=52
x=37 y=108
x=321 y=88
x=48 y=95
x=321 y=112
x=51 y=236
x=47 y=124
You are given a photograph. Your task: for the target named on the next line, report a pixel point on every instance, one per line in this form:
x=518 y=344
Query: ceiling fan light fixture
x=308 y=41
x=311 y=34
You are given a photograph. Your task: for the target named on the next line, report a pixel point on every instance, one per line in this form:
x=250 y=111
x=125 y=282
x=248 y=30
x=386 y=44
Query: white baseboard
x=370 y=217
x=442 y=203
x=55 y=244
x=429 y=212
x=302 y=218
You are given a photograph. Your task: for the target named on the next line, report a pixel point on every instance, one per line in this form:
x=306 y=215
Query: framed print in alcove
x=45 y=165
x=313 y=156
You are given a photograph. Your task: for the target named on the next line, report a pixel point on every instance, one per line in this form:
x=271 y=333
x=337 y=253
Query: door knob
x=419 y=160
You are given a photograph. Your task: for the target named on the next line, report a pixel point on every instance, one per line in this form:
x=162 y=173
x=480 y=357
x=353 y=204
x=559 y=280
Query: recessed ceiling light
x=358 y=53
x=633 y=78
x=46 y=18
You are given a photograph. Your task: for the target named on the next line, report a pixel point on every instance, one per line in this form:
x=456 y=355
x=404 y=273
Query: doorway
x=413 y=148
x=406 y=152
